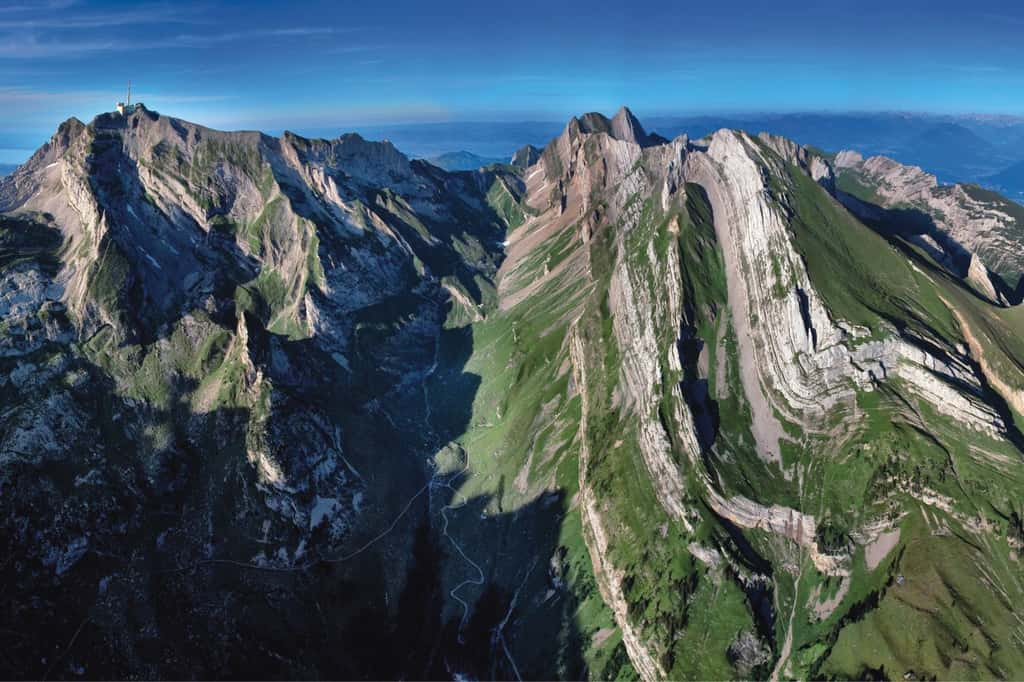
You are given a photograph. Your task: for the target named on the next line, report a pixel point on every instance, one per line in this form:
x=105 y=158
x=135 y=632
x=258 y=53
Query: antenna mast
x=129 y=94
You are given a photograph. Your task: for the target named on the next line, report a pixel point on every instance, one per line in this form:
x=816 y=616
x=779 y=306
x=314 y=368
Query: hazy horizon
x=343 y=66
x=20 y=147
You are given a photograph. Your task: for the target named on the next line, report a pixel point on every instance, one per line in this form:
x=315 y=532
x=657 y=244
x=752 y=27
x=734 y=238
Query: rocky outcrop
x=636 y=315
x=812 y=163
x=31 y=312
x=372 y=164
x=794 y=358
x=980 y=277
x=782 y=521
x=974 y=222
x=1013 y=396
x=526 y=156
x=609 y=577
x=788 y=343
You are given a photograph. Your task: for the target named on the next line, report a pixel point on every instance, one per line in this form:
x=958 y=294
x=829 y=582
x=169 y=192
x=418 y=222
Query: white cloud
x=35 y=7
x=140 y=14
x=31 y=47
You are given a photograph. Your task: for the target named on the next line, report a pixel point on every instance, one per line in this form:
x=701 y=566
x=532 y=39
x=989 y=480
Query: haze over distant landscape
x=380 y=68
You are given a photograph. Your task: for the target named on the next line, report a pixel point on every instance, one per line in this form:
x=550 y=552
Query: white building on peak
x=126 y=107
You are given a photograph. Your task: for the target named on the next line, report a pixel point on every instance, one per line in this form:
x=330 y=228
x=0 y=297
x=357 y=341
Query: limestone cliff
x=971 y=222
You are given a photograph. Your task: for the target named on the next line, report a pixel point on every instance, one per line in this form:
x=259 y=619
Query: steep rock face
x=790 y=345
x=979 y=276
x=970 y=221
x=797 y=362
x=371 y=164
x=815 y=166
x=525 y=156
x=638 y=322
x=626 y=127
x=762 y=264
x=241 y=307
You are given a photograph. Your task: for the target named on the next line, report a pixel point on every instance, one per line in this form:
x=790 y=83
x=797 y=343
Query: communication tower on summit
x=126 y=107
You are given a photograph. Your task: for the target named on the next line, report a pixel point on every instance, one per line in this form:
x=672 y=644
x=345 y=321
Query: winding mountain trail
x=479 y=580
x=434 y=484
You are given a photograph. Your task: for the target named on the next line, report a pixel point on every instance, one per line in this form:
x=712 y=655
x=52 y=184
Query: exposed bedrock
x=794 y=357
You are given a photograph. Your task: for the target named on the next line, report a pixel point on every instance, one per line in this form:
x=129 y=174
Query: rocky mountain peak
x=526 y=156
x=592 y=122
x=372 y=162
x=625 y=126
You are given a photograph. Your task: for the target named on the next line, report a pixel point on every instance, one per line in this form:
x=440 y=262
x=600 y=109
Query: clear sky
x=332 y=64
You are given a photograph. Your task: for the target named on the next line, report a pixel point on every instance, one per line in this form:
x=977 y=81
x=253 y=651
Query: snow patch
x=324 y=507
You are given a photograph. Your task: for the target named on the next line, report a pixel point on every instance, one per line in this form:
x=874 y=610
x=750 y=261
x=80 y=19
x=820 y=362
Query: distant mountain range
x=464 y=161
x=1010 y=181
x=987 y=150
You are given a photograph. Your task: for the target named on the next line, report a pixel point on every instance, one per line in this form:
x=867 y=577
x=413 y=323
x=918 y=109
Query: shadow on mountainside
x=152 y=267
x=518 y=619
x=133 y=539
x=135 y=556
x=909 y=222
x=900 y=225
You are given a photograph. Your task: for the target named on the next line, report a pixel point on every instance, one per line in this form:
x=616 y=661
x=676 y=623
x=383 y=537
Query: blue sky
x=343 y=64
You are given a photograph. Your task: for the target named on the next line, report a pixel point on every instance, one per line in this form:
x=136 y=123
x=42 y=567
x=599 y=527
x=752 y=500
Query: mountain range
x=983 y=149
x=1009 y=180
x=464 y=161
x=709 y=407
x=955 y=148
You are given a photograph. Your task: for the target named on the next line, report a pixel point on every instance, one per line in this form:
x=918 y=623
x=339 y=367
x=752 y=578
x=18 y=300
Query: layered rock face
x=626 y=407
x=803 y=369
x=795 y=359
x=979 y=230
